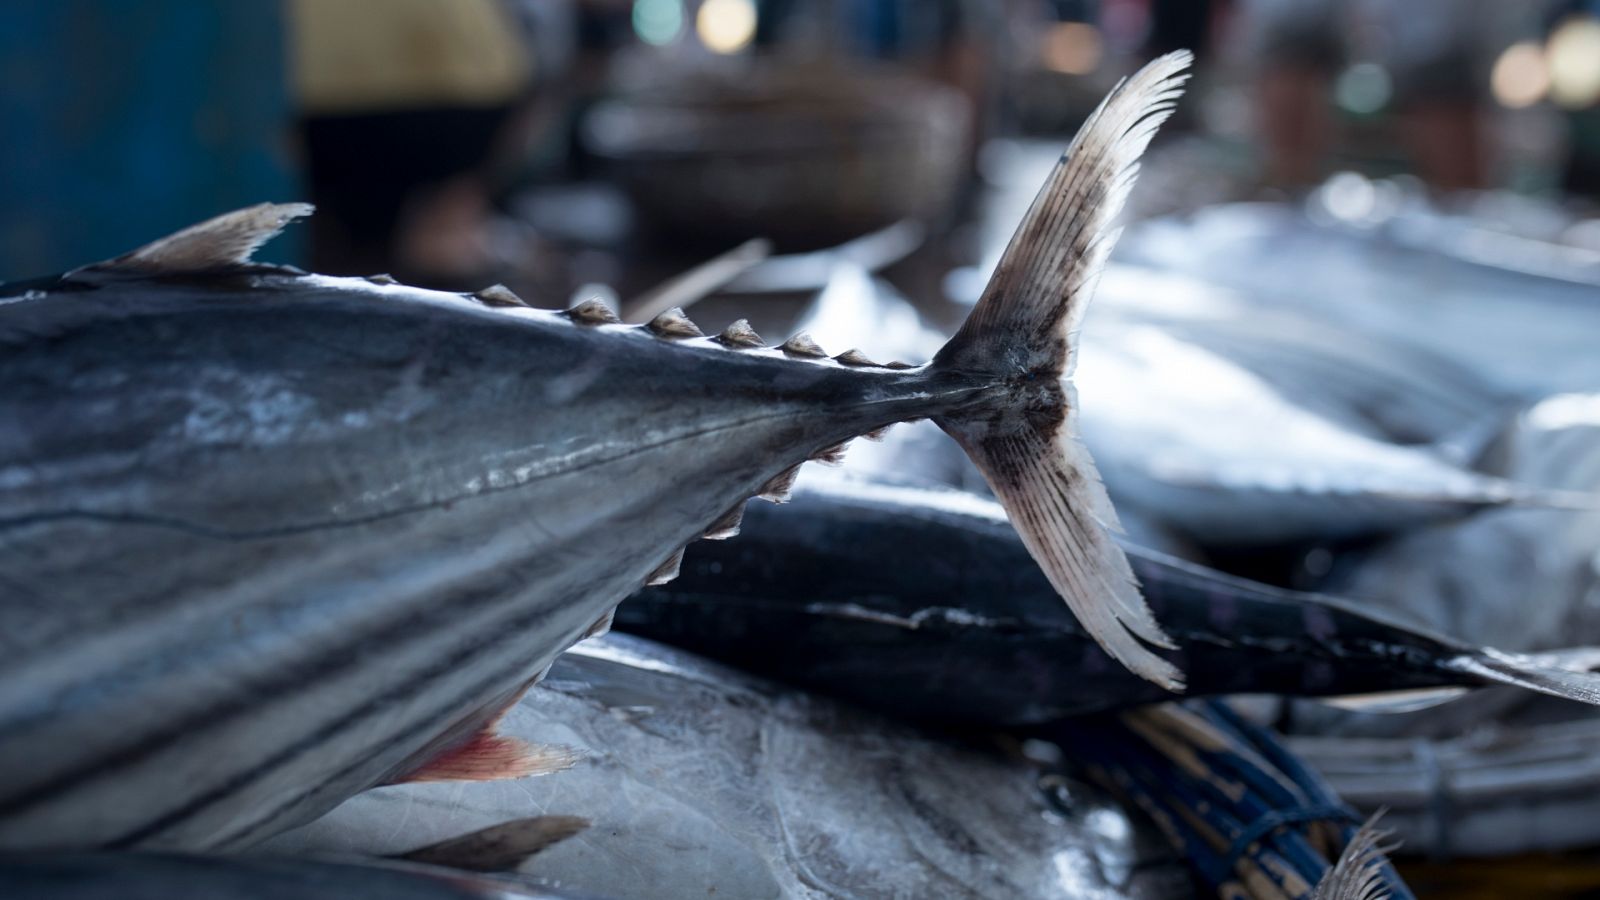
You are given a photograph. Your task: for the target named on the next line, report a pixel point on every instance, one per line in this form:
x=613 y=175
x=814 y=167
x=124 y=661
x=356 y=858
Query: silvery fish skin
x=271 y=539
x=1378 y=384
x=1221 y=456
x=1177 y=427
x=1528 y=580
x=1528 y=336
x=702 y=781
x=920 y=602
x=160 y=876
x=1457 y=576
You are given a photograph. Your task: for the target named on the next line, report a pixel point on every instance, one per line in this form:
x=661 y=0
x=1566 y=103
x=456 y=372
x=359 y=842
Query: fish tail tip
x=1020 y=343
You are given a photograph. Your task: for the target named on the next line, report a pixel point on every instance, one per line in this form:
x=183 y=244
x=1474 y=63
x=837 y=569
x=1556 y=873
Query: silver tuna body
x=269 y=539
x=258 y=553
x=702 y=781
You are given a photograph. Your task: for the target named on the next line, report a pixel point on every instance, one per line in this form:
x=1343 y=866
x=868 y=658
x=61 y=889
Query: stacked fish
x=271 y=541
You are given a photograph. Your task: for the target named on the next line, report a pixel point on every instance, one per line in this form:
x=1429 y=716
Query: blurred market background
x=552 y=144
x=1395 y=153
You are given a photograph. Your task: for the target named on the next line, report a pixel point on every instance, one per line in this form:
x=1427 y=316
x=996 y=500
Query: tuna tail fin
x=1559 y=673
x=1358 y=874
x=1023 y=335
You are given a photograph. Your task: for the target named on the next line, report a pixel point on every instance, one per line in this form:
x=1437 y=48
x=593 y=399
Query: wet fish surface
x=159 y=876
x=270 y=539
x=1176 y=424
x=920 y=603
x=702 y=781
x=1527 y=335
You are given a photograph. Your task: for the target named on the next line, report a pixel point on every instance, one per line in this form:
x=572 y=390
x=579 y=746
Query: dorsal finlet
x=740 y=335
x=832 y=455
x=854 y=358
x=802 y=345
x=781 y=487
x=898 y=365
x=727 y=525
x=499 y=295
x=601 y=626
x=667 y=570
x=223 y=242
x=383 y=278
x=593 y=311
x=673 y=324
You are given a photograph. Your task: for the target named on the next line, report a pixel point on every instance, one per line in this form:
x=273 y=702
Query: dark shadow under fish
x=922 y=603
x=270 y=539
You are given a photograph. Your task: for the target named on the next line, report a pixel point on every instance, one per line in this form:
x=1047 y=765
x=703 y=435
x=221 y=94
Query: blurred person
x=1296 y=49
x=1429 y=53
x=402 y=105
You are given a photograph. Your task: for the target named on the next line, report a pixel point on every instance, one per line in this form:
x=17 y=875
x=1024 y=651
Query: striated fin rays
x=1358 y=873
x=499 y=295
x=667 y=570
x=727 y=526
x=491 y=756
x=803 y=346
x=1027 y=321
x=832 y=455
x=593 y=311
x=855 y=358
x=223 y=242
x=780 y=487
x=673 y=324
x=740 y=335
x=601 y=626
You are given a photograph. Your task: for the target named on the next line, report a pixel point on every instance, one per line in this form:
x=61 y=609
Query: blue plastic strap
x=1277 y=818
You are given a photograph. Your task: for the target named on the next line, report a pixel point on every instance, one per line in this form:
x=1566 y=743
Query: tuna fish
x=922 y=603
x=270 y=539
x=1177 y=426
x=1527 y=335
x=706 y=782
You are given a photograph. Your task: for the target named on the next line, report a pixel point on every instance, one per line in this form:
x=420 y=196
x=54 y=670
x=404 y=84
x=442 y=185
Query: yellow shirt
x=362 y=56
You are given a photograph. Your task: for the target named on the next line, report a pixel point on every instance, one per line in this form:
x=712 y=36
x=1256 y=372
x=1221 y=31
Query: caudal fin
x=1560 y=673
x=1023 y=334
x=1358 y=873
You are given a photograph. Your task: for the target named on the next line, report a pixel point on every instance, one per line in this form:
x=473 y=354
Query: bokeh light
x=726 y=26
x=1074 y=48
x=658 y=22
x=1364 y=88
x=1574 y=60
x=1520 y=78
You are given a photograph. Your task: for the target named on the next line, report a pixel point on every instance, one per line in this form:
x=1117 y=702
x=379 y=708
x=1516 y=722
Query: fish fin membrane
x=226 y=241
x=499 y=848
x=1023 y=334
x=1358 y=874
x=1560 y=673
x=491 y=756
x=601 y=626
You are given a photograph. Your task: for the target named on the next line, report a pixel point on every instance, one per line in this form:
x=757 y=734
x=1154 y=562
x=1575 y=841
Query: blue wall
x=122 y=120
